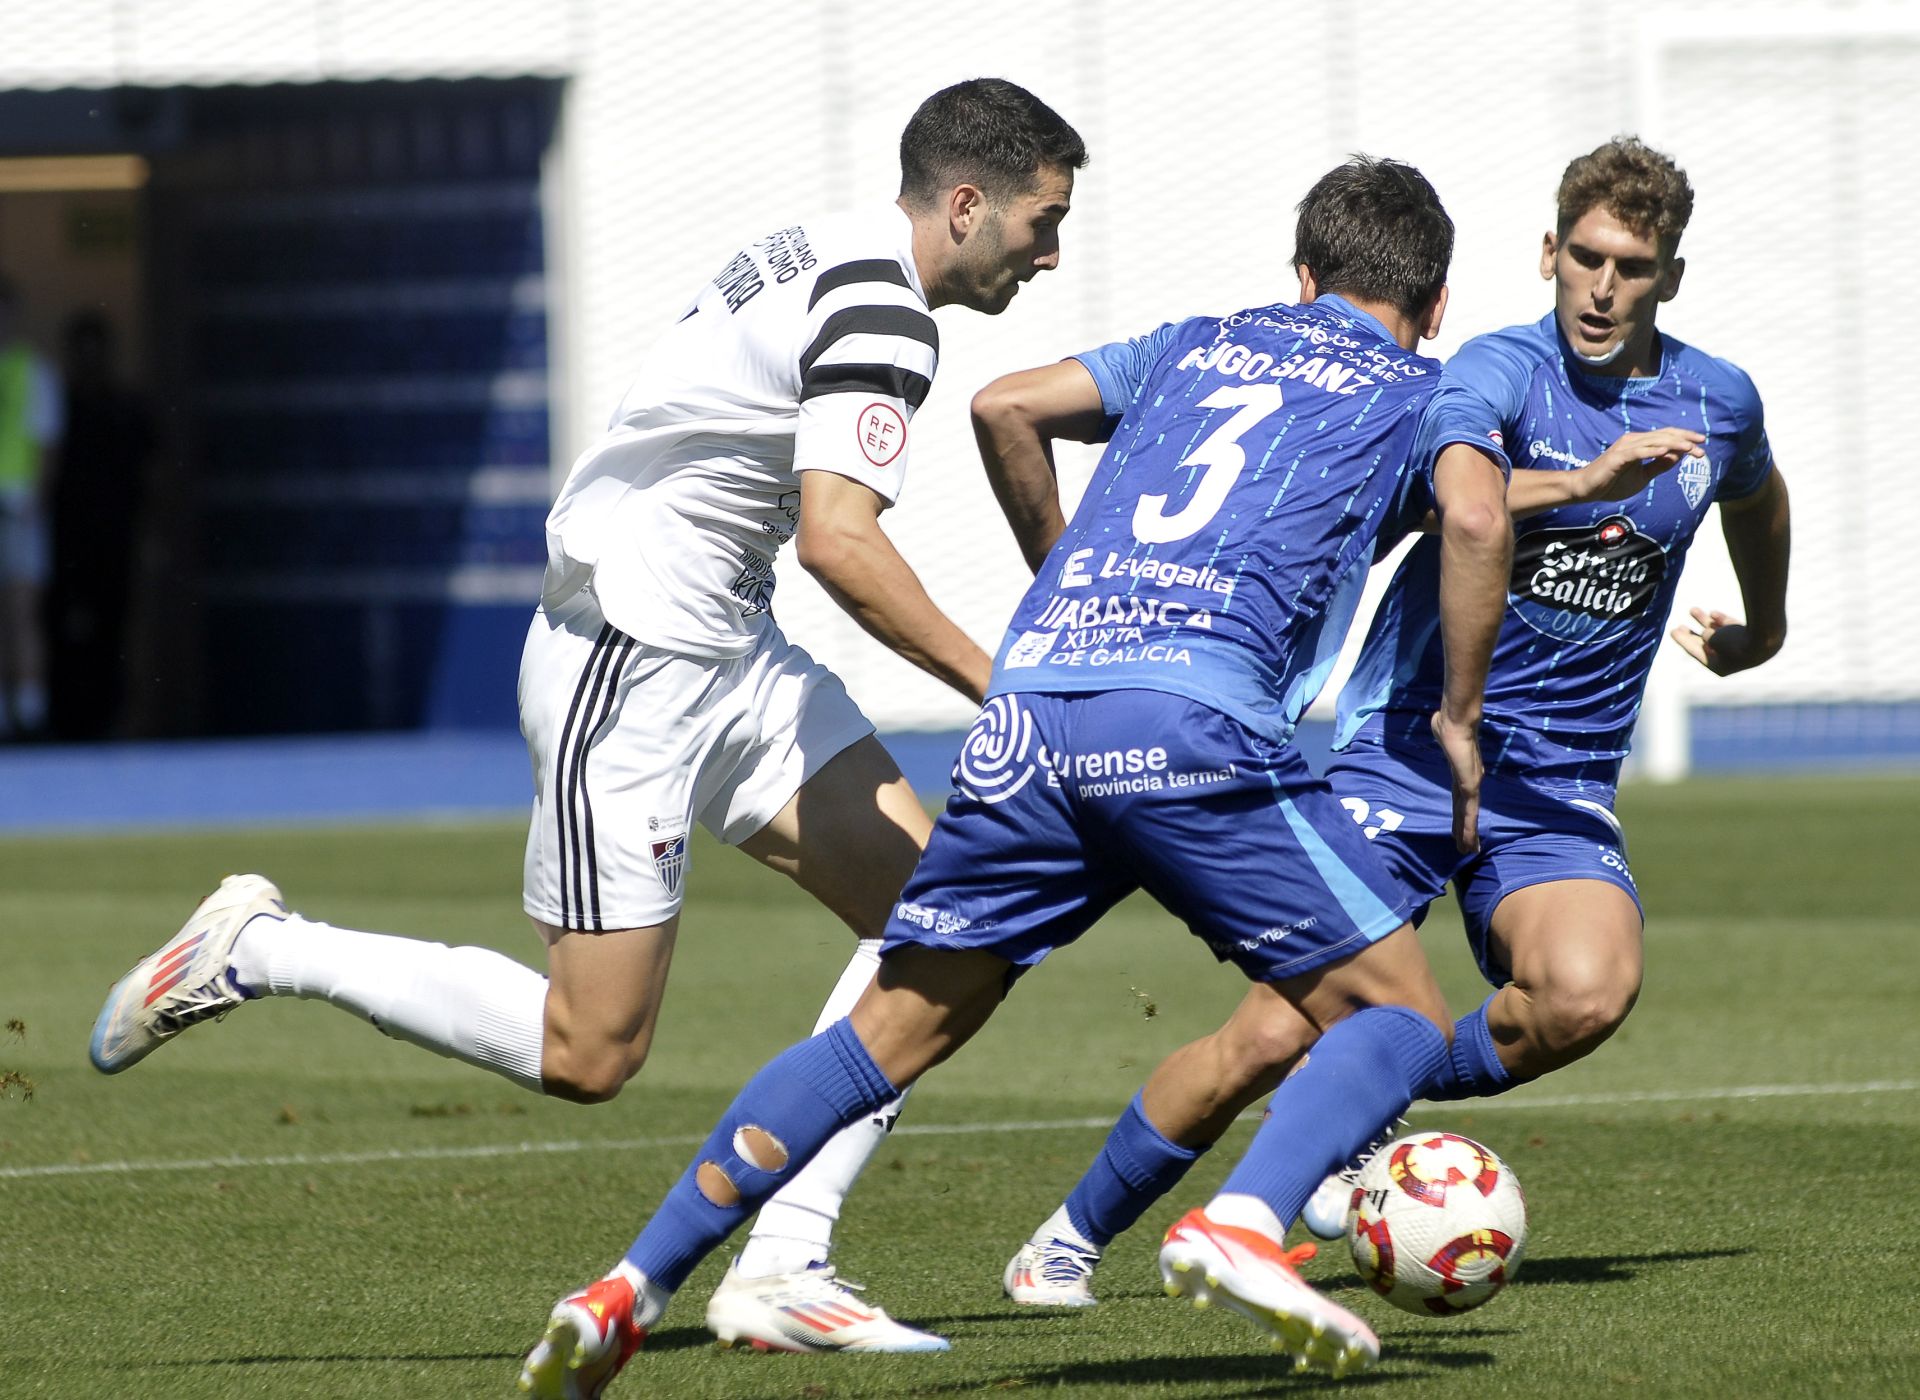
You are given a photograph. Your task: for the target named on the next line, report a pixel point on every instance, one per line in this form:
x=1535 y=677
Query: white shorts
x=631 y=745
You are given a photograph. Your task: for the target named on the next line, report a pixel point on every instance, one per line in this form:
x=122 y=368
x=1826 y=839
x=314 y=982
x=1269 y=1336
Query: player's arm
x=1016 y=420
x=1622 y=471
x=1758 y=531
x=841 y=544
x=1476 y=553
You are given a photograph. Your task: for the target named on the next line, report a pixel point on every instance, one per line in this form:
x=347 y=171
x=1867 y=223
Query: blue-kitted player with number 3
x=1623 y=438
x=1136 y=736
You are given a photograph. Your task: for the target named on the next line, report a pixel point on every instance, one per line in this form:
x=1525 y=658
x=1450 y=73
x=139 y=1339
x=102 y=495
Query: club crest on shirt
x=1696 y=475
x=670 y=861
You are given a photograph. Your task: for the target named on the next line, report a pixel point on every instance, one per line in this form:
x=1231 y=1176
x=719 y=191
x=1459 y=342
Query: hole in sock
x=760 y=1148
x=716 y=1186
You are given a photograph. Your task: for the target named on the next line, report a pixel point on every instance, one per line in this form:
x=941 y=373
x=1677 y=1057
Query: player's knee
x=1256 y=1049
x=590 y=1076
x=1581 y=1014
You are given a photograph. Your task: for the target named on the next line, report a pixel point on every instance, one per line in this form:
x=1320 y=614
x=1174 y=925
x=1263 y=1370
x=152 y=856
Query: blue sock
x=1137 y=1167
x=802 y=1097
x=1473 y=1070
x=1359 y=1077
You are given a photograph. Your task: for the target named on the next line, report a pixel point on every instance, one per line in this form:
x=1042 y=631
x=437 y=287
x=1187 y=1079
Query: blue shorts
x=1530 y=834
x=1068 y=803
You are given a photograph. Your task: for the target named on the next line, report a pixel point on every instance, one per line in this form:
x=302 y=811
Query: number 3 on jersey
x=1222 y=456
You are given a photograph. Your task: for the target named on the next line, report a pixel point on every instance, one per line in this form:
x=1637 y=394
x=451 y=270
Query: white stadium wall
x=689 y=128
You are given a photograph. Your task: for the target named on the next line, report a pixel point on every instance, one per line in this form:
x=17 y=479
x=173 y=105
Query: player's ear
x=1309 y=284
x=1548 y=247
x=966 y=207
x=1670 y=284
x=1430 y=327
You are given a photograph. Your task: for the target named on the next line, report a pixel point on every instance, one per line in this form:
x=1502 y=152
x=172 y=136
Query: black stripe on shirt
x=866 y=270
x=902 y=321
x=890 y=380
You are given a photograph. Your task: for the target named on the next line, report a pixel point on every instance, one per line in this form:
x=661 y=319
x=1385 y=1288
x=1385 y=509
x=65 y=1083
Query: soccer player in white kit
x=656 y=689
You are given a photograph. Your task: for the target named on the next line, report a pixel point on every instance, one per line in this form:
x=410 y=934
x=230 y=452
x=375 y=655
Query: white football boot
x=189 y=980
x=1331 y=1205
x=1241 y=1269
x=590 y=1335
x=812 y=1310
x=1057 y=1274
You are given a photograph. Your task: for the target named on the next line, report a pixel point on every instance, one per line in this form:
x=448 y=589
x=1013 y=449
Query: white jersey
x=809 y=351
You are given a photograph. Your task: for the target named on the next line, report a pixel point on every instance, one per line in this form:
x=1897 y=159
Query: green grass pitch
x=1724 y=1199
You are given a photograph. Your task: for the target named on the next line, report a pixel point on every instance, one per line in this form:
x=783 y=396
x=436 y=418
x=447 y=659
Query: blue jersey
x=1219 y=551
x=1592 y=584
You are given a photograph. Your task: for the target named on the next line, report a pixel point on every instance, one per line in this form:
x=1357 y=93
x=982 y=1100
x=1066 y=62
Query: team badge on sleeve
x=882 y=433
x=670 y=861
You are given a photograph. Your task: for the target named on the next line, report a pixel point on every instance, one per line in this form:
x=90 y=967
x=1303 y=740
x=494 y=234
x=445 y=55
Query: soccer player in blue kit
x=1135 y=736
x=1622 y=438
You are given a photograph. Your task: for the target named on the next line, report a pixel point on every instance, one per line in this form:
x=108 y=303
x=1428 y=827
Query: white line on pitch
x=567 y=1146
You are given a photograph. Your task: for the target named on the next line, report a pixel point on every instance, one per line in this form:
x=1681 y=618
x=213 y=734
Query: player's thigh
x=1233 y=833
x=1551 y=896
x=1389 y=971
x=605 y=988
x=1582 y=937
x=850 y=836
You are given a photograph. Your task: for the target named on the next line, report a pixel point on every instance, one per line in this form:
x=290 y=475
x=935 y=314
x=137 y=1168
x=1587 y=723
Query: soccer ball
x=1437 y=1225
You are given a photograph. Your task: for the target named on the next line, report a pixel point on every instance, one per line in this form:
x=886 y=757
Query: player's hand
x=1722 y=643
x=1460 y=742
x=1626 y=467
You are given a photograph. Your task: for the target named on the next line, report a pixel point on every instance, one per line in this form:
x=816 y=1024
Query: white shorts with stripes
x=631 y=745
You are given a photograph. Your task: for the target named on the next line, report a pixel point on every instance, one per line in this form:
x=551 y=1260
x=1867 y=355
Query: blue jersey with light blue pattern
x=1592 y=584
x=1219 y=550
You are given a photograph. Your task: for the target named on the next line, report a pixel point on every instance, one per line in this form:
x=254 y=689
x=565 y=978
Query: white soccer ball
x=1438 y=1223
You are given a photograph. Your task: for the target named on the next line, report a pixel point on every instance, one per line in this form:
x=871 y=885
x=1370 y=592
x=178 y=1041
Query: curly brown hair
x=1638 y=185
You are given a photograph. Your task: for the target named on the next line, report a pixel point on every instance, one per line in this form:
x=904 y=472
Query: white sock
x=1059 y=1226
x=795 y=1227
x=649 y=1298
x=1249 y=1213
x=471 y=1004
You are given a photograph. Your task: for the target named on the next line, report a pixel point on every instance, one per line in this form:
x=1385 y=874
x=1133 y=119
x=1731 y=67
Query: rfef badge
x=882 y=433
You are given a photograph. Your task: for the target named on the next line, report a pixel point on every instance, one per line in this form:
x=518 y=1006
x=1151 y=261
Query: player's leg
x=1574 y=950
x=964 y=925
x=1191 y=1098
x=1384 y=1037
x=1325 y=924
x=815 y=796
x=850 y=838
x=1403 y=813
x=1555 y=924
x=578 y=681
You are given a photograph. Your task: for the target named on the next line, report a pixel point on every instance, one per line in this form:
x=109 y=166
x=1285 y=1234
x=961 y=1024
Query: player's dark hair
x=986 y=132
x=1374 y=229
x=1638 y=185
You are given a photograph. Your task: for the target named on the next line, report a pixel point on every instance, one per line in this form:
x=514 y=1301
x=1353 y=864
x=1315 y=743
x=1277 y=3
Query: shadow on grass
x=317 y=1359
x=1611 y=1268
x=674 y=1339
x=1272 y=1374
x=1598 y=1268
